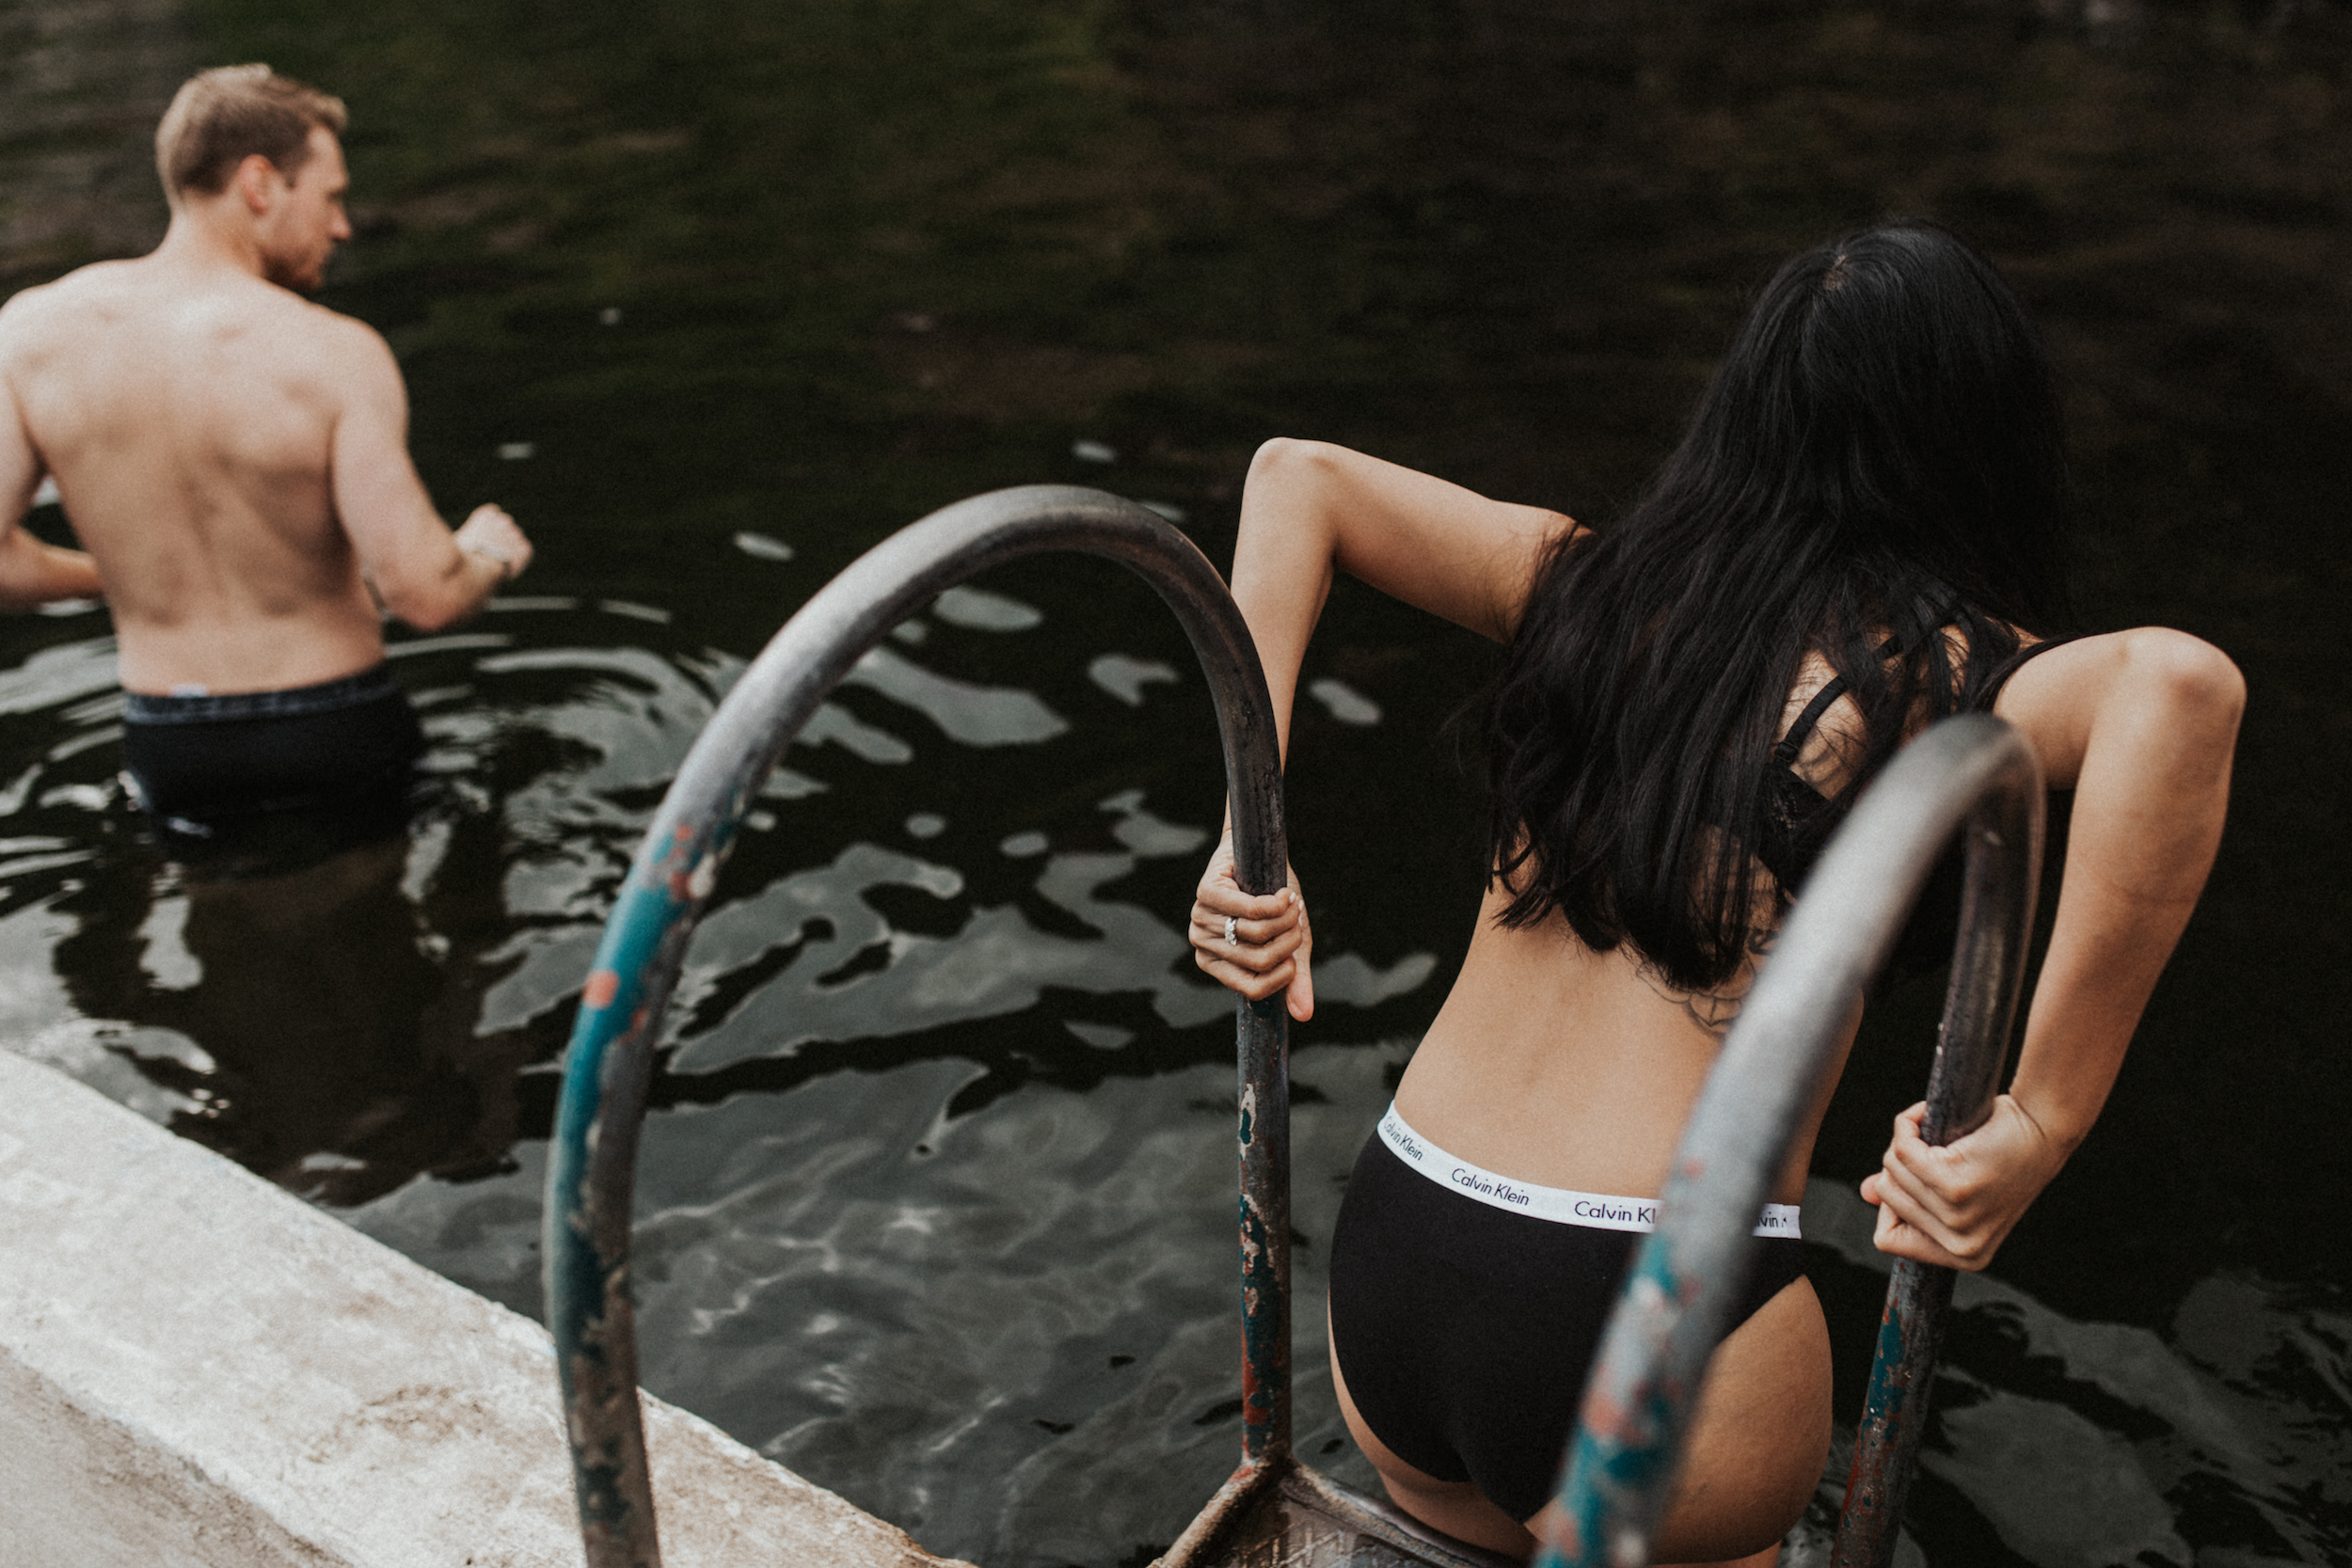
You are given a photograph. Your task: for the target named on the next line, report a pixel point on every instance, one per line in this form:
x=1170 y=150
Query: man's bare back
x=233 y=458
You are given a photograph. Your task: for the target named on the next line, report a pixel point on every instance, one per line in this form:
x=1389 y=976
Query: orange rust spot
x=603 y=985
x=1605 y=1417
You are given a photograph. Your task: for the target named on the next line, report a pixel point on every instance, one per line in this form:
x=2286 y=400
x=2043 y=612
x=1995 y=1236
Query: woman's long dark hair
x=1880 y=456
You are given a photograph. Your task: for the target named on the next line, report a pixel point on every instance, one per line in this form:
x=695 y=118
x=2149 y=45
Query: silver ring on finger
x=1232 y=932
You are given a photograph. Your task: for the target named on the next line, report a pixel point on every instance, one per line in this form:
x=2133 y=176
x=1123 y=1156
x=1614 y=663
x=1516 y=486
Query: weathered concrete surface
x=198 y=1368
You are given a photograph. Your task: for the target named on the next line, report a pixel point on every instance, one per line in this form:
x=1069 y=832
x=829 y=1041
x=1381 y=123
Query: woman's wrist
x=2061 y=1128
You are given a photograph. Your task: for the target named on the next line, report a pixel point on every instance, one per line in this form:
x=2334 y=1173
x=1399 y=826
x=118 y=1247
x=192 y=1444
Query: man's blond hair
x=221 y=117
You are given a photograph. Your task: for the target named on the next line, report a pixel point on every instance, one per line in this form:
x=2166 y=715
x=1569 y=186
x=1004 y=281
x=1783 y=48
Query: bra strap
x=1784 y=751
x=2001 y=673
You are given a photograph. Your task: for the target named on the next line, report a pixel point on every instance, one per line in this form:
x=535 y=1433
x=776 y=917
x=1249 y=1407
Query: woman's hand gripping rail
x=1310 y=510
x=2142 y=725
x=1256 y=945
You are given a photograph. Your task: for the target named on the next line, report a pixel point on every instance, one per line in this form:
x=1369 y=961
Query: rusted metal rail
x=591 y=1166
x=1973 y=771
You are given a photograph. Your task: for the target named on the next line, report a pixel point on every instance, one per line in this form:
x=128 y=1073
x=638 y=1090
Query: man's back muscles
x=188 y=416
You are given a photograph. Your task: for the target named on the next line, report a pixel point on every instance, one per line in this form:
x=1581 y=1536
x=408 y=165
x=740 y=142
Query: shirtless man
x=235 y=459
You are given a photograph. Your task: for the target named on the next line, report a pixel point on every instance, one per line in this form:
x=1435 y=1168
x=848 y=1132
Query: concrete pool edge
x=197 y=1368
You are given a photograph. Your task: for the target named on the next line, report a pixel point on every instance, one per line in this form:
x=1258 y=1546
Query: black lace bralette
x=1798 y=818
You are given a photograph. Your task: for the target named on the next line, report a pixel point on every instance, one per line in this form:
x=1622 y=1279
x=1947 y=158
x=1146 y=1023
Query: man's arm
x=31 y=572
x=422 y=572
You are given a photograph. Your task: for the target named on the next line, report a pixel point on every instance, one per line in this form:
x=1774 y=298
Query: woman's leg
x=1750 y=1462
x=1753 y=1455
x=1454 y=1507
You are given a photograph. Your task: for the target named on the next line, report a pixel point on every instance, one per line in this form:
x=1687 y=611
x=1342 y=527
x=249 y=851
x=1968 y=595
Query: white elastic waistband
x=1561 y=1206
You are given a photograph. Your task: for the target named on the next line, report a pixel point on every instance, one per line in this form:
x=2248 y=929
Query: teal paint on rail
x=632 y=941
x=1890 y=1387
x=1625 y=1445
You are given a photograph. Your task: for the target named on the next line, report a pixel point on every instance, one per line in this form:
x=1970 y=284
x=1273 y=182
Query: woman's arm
x=2142 y=724
x=1308 y=511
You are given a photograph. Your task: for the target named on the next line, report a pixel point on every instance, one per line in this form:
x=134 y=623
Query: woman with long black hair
x=1861 y=533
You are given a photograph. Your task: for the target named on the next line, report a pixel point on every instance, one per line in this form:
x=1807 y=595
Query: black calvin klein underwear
x=197 y=761
x=1466 y=1308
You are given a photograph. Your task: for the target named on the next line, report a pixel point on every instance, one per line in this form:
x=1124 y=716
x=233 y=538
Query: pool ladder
x=1971 y=774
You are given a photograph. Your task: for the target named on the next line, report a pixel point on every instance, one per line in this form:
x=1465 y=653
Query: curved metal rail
x=592 y=1167
x=1677 y=1299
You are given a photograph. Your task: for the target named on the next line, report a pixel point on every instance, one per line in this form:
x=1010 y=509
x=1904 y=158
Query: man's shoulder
x=214 y=298
x=60 y=299
x=353 y=358
x=327 y=329
x=318 y=318
x=91 y=283
x=291 y=340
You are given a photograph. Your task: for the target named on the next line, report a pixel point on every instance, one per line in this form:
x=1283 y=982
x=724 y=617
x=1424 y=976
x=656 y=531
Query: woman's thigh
x=1454 y=1507
x=1750 y=1458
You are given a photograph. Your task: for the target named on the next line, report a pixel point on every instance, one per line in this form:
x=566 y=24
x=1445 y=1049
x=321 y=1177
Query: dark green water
x=936 y=1203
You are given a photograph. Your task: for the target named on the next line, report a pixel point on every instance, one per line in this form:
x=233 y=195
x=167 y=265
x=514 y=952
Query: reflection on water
x=974 y=1236
x=81 y=81
x=322 y=1044
x=2069 y=1439
x=962 y=1250
x=936 y=1194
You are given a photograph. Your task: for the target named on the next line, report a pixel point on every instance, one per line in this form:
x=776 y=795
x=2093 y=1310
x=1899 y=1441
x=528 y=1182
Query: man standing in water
x=235 y=459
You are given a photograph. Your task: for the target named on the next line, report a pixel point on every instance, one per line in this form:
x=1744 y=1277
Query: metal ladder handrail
x=1972 y=770
x=592 y=1166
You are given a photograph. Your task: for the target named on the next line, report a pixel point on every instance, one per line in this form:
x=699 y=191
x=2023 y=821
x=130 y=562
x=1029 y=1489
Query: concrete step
x=198 y=1368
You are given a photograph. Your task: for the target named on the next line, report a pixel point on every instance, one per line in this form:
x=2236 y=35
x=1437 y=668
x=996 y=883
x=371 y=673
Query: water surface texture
x=936 y=1197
